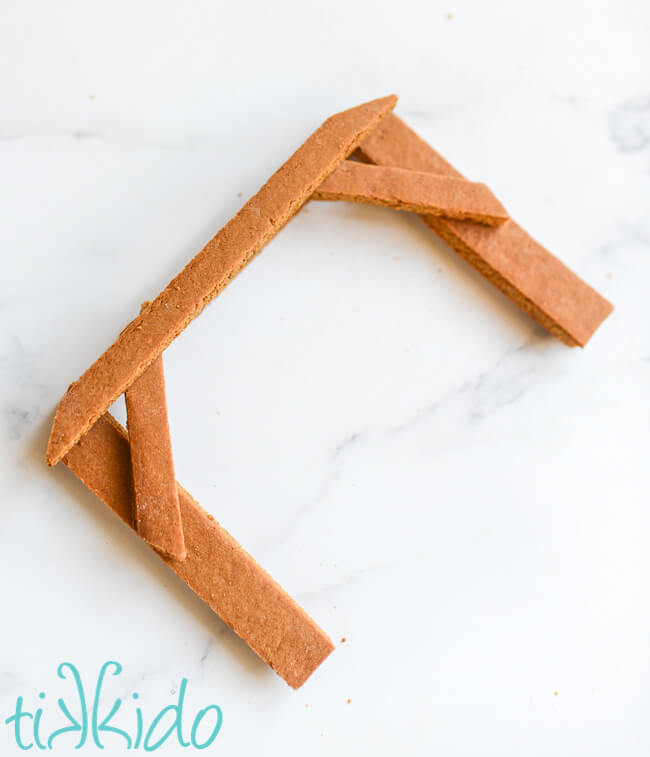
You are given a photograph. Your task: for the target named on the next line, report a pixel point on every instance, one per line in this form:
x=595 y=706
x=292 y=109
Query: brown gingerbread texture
x=417 y=191
x=87 y=399
x=157 y=511
x=506 y=255
x=216 y=568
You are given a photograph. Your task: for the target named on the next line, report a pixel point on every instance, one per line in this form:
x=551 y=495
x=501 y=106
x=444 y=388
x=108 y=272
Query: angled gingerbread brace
x=216 y=568
x=87 y=399
x=417 y=191
x=506 y=255
x=157 y=511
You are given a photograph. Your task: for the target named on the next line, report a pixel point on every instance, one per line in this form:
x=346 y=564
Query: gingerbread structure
x=133 y=472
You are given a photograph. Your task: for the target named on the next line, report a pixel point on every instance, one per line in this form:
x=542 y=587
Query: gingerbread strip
x=157 y=512
x=417 y=191
x=208 y=273
x=506 y=255
x=217 y=568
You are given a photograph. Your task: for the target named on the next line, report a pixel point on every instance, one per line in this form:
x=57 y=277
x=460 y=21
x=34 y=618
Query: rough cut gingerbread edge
x=416 y=191
x=217 y=568
x=209 y=272
x=156 y=507
x=507 y=256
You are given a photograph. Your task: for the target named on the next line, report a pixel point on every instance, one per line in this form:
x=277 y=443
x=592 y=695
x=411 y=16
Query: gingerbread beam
x=506 y=255
x=417 y=191
x=216 y=568
x=157 y=511
x=87 y=399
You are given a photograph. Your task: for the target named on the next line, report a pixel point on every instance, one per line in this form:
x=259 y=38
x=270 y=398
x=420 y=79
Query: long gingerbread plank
x=208 y=273
x=506 y=255
x=217 y=568
x=417 y=191
x=157 y=511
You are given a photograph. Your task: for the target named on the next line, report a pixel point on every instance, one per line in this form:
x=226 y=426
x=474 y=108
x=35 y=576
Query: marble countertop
x=433 y=477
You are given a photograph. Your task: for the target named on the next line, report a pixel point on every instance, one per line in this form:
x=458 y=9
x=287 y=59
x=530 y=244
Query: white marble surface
x=433 y=477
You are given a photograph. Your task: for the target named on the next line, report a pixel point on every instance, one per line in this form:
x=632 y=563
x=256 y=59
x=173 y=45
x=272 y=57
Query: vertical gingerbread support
x=157 y=512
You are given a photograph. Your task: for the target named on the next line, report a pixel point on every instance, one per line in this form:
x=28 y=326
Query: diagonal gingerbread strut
x=216 y=568
x=157 y=512
x=507 y=256
x=208 y=273
x=417 y=191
